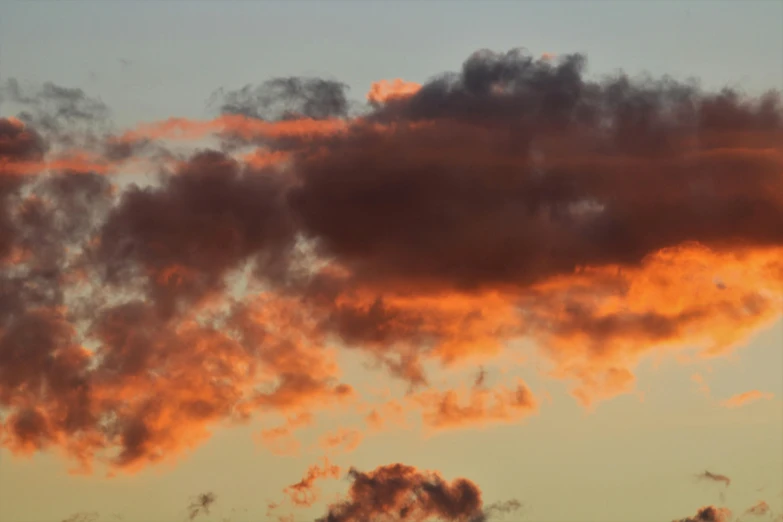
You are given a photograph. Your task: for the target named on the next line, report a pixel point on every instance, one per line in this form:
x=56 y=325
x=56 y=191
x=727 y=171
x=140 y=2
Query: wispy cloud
x=744 y=398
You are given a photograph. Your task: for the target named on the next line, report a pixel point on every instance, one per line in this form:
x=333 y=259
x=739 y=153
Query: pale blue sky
x=180 y=51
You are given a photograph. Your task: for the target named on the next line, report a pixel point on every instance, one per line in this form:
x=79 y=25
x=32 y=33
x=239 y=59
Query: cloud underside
x=513 y=200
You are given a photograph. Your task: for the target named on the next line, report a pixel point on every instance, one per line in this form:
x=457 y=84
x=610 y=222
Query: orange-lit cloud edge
x=678 y=298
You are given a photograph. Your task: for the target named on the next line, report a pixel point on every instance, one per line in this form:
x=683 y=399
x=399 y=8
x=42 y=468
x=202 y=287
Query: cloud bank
x=604 y=220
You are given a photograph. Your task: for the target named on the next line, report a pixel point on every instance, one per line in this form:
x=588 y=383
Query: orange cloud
x=431 y=232
x=161 y=385
x=596 y=324
x=758 y=509
x=261 y=158
x=455 y=326
x=74 y=161
x=744 y=398
x=446 y=410
x=385 y=90
x=230 y=124
x=305 y=492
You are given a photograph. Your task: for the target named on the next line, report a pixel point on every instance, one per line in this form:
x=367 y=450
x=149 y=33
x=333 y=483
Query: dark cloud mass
x=522 y=170
x=516 y=198
x=402 y=492
x=182 y=238
x=18 y=144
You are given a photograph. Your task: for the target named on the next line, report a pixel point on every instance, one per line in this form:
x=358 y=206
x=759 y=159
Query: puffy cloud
x=404 y=493
x=513 y=199
x=596 y=260
x=211 y=208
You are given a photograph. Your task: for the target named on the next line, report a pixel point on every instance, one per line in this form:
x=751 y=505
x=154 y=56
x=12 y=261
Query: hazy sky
x=632 y=457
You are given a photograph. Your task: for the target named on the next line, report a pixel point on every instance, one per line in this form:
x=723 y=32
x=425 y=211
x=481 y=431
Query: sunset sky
x=341 y=261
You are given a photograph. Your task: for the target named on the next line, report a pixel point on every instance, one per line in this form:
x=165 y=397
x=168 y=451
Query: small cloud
x=715 y=477
x=760 y=508
x=747 y=397
x=385 y=90
x=201 y=505
x=304 y=492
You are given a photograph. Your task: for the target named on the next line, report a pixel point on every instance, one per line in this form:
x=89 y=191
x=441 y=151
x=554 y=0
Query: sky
x=461 y=261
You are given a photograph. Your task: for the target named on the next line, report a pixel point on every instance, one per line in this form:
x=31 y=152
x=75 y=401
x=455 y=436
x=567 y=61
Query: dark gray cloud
x=53 y=107
x=286 y=98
